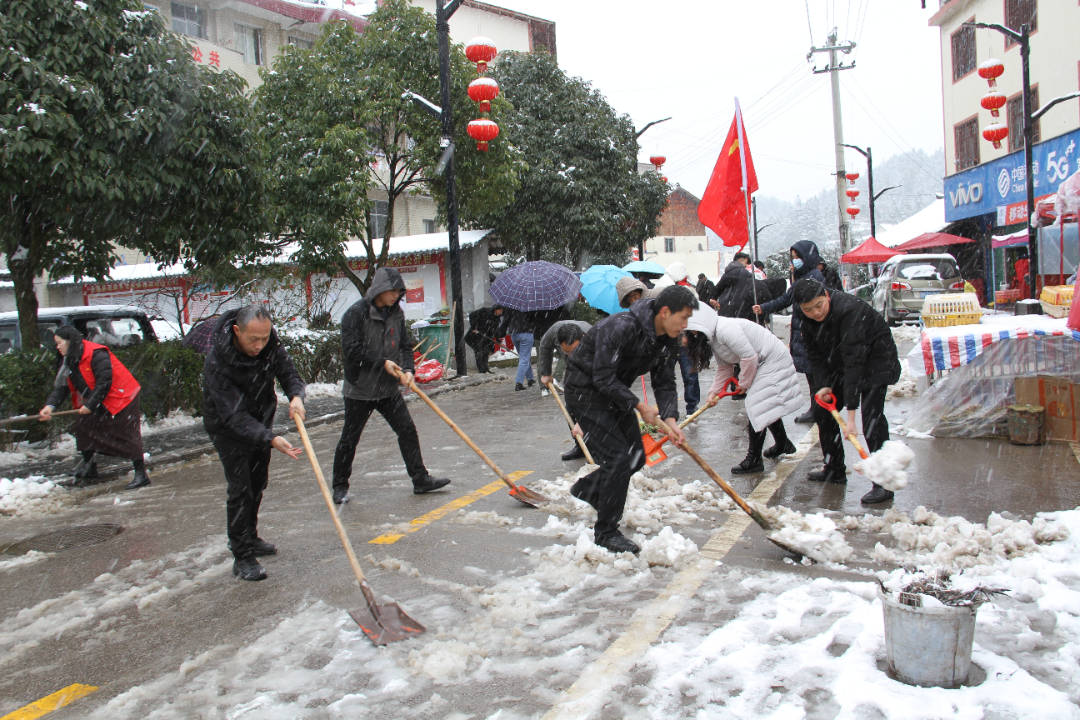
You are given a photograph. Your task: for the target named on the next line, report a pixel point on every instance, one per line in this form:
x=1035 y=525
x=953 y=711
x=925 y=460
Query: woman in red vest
x=106 y=396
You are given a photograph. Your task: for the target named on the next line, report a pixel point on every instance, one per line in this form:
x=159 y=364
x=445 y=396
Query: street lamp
x=1030 y=116
x=753 y=207
x=443 y=11
x=869 y=155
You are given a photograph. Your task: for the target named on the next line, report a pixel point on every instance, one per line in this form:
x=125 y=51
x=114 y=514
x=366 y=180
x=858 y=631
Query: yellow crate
x=947 y=309
x=1057 y=295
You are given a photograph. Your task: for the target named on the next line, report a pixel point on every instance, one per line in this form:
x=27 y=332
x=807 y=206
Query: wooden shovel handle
x=453 y=426
x=329 y=501
x=570 y=422
x=830 y=405
x=719 y=481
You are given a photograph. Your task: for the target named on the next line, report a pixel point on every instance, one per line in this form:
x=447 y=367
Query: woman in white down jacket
x=766 y=374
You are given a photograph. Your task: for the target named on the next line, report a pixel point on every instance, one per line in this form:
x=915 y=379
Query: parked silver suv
x=906 y=280
x=112 y=325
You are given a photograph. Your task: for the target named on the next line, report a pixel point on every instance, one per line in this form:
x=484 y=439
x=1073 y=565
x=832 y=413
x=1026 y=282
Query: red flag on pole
x=724 y=208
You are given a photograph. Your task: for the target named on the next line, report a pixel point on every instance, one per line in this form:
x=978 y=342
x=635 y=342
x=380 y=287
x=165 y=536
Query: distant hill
x=918 y=173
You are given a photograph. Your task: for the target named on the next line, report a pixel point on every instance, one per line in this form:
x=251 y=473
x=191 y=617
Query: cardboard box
x=1061 y=400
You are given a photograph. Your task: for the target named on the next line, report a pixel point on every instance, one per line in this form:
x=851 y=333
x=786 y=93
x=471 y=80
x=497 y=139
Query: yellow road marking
x=47 y=704
x=586 y=697
x=439 y=512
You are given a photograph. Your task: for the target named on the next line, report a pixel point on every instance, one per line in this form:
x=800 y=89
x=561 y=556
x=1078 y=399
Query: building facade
x=682 y=238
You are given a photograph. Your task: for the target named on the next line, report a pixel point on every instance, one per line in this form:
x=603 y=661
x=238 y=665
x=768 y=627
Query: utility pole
x=834 y=67
x=443 y=11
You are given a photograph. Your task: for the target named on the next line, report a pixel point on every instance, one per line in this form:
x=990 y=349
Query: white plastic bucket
x=928 y=646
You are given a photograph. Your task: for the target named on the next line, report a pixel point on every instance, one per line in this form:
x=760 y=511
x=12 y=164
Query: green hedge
x=169 y=373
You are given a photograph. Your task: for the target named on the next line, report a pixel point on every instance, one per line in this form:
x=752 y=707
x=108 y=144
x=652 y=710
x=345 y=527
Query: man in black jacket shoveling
x=599 y=373
x=239 y=404
x=852 y=356
x=378 y=355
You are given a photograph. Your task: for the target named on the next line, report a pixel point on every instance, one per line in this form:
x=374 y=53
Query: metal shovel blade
x=526 y=496
x=384 y=623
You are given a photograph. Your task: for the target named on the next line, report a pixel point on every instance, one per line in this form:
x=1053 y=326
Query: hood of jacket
x=703 y=320
x=808 y=251
x=386 y=278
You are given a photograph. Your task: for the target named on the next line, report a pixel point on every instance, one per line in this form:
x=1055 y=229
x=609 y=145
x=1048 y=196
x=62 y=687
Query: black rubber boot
x=248 y=569
x=574 y=453
x=87 y=467
x=785 y=448
x=750 y=464
x=877 y=494
x=428 y=483
x=341 y=495
x=260 y=547
x=838 y=477
x=807 y=418
x=141 y=479
x=618 y=543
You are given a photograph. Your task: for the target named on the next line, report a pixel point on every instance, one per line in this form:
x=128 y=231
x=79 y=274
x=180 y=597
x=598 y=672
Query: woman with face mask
x=804 y=263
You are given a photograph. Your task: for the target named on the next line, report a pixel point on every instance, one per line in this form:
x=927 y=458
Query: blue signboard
x=996 y=185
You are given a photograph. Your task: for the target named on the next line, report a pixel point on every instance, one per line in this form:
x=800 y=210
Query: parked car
x=906 y=280
x=112 y=325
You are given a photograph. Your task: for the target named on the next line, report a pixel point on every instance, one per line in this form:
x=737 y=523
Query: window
x=188 y=20
x=429 y=226
x=966 y=139
x=963 y=52
x=301 y=42
x=669 y=244
x=1014 y=115
x=249 y=43
x=377 y=219
x=1017 y=13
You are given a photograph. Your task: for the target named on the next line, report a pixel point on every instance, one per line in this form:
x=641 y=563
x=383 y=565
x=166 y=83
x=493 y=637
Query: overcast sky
x=690 y=58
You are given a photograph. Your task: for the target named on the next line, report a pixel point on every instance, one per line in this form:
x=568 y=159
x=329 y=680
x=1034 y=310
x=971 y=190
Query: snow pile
x=815 y=536
x=60 y=449
x=175 y=419
x=322 y=390
x=888 y=466
x=905 y=386
x=25 y=559
x=926 y=539
x=34 y=494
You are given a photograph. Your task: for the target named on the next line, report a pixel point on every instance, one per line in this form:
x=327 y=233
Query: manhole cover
x=65 y=539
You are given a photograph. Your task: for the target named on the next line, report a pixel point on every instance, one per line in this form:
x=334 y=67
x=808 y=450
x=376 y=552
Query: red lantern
x=852 y=177
x=852 y=193
x=483 y=132
x=990 y=70
x=993 y=101
x=658 y=160
x=664 y=178
x=852 y=210
x=483 y=90
x=481 y=50
x=995 y=133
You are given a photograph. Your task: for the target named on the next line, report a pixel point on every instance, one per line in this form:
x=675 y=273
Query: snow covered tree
x=581 y=197
x=340 y=133
x=111 y=133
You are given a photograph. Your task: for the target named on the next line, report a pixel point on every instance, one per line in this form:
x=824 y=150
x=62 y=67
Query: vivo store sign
x=996 y=185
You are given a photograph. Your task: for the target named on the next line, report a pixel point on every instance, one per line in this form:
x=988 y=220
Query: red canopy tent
x=870 y=251
x=932 y=240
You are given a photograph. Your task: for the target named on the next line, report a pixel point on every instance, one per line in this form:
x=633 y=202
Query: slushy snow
x=888 y=466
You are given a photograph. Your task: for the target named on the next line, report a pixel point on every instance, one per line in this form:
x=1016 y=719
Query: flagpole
x=745 y=189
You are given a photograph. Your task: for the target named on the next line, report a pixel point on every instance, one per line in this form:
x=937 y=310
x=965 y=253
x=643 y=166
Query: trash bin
x=928 y=646
x=430 y=336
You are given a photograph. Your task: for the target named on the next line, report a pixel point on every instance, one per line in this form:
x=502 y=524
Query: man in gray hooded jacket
x=378 y=355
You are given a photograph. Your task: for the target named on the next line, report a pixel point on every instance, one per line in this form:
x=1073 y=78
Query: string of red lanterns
x=990 y=70
x=482 y=91
x=852 y=193
x=658 y=161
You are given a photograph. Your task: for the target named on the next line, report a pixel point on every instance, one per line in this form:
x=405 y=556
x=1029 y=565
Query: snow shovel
x=519 y=492
x=829 y=403
x=381 y=623
x=22 y=418
x=654 y=454
x=754 y=514
x=570 y=422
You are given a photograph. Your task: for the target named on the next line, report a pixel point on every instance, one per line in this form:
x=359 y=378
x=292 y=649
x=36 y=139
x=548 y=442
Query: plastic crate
x=1004 y=297
x=1057 y=295
x=948 y=309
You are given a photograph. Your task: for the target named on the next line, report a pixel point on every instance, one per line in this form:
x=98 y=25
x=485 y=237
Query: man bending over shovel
x=567 y=335
x=378 y=353
x=598 y=376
